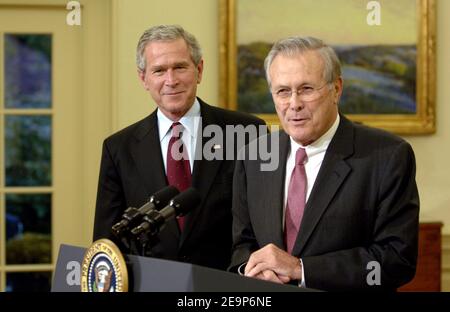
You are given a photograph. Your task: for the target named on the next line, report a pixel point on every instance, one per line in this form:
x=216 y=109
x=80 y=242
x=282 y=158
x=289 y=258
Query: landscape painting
x=379 y=44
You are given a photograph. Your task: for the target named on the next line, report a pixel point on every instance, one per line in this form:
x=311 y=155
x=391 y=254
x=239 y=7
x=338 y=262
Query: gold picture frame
x=422 y=121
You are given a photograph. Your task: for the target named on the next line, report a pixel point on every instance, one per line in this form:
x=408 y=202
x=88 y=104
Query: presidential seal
x=104 y=268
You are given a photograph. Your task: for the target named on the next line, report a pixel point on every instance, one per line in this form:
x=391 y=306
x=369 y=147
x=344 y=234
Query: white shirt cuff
x=302 y=283
x=241 y=269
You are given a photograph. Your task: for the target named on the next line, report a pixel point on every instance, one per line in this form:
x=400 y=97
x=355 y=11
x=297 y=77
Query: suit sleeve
x=395 y=236
x=110 y=198
x=244 y=240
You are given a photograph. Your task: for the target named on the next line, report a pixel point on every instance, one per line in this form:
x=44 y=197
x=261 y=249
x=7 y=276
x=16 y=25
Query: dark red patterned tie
x=178 y=168
x=296 y=199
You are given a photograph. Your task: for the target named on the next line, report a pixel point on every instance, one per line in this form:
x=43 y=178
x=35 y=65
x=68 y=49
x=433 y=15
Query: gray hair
x=293 y=45
x=166 y=33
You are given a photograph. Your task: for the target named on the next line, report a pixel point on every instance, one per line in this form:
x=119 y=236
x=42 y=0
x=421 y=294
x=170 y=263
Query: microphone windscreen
x=185 y=201
x=161 y=198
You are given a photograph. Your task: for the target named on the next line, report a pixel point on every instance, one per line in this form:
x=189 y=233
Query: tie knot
x=177 y=129
x=300 y=156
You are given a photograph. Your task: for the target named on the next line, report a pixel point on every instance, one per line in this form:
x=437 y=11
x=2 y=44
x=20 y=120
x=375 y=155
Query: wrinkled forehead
x=304 y=58
x=305 y=65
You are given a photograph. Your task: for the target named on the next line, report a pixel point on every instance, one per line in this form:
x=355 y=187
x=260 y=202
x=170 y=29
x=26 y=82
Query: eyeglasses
x=305 y=93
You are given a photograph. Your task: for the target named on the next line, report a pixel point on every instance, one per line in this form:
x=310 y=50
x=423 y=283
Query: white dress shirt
x=190 y=122
x=315 y=152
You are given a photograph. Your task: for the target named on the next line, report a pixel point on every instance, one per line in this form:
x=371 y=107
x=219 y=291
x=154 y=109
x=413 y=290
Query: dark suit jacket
x=363 y=207
x=132 y=170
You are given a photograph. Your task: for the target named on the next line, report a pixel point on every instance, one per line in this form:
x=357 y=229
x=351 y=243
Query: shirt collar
x=188 y=121
x=319 y=145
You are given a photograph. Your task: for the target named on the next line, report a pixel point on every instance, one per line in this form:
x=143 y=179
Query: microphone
x=180 y=205
x=132 y=216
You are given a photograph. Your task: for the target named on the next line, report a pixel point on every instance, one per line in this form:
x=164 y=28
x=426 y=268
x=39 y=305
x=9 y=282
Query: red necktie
x=296 y=199
x=178 y=168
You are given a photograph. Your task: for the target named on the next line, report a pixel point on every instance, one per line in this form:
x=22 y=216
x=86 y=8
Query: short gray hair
x=293 y=45
x=166 y=33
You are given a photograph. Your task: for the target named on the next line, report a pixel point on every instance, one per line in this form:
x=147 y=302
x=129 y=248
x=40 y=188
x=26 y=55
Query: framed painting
x=387 y=51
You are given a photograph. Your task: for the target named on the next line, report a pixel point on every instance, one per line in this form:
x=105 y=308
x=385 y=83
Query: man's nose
x=295 y=103
x=171 y=78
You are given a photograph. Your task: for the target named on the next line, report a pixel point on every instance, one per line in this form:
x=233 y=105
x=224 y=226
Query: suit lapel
x=146 y=153
x=204 y=171
x=331 y=175
x=275 y=195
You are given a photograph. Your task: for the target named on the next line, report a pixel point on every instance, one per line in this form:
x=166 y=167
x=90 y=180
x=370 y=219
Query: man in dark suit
x=135 y=160
x=341 y=210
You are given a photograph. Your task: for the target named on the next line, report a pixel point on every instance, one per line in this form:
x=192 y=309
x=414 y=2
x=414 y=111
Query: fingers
x=269 y=276
x=260 y=271
x=257 y=269
x=252 y=262
x=274 y=259
x=260 y=256
x=283 y=278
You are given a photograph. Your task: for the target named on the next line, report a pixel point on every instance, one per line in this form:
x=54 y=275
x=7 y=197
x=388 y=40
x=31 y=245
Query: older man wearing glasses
x=341 y=210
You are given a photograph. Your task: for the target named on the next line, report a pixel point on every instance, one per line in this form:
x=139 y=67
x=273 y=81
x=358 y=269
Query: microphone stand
x=138 y=244
x=147 y=242
x=128 y=244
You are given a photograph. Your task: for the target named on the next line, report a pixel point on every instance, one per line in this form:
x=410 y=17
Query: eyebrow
x=176 y=64
x=282 y=86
